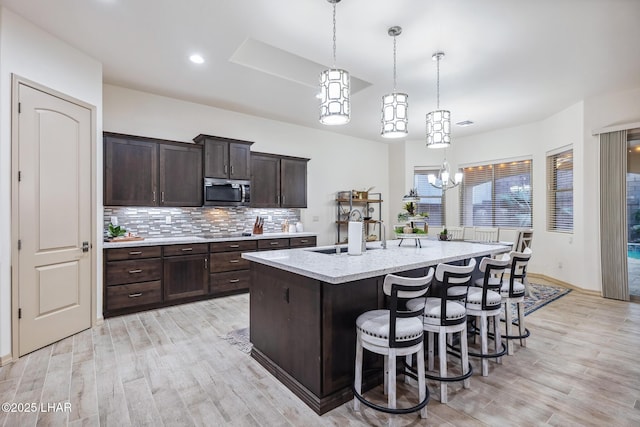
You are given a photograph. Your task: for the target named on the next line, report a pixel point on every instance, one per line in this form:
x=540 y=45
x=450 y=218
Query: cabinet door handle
x=162 y=196
x=234 y=246
x=139 y=294
x=135 y=271
x=234 y=261
x=226 y=168
x=304 y=241
x=232 y=169
x=154 y=196
x=205 y=263
x=135 y=253
x=286 y=295
x=234 y=280
x=282 y=199
x=187 y=249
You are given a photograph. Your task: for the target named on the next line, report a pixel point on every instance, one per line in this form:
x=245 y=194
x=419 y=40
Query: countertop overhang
x=159 y=241
x=342 y=268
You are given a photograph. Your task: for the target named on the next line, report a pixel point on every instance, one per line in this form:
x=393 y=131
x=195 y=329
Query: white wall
x=338 y=162
x=31 y=53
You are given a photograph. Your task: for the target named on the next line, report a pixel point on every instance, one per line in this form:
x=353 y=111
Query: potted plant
x=115 y=231
x=410 y=207
x=444 y=235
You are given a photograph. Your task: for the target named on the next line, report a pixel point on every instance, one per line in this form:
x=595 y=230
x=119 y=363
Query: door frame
x=16 y=81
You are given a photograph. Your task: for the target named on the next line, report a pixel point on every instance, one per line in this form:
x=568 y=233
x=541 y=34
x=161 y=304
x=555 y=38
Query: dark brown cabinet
x=229 y=271
x=142 y=171
x=225 y=157
x=132 y=278
x=130 y=172
x=278 y=181
x=185 y=276
x=180 y=175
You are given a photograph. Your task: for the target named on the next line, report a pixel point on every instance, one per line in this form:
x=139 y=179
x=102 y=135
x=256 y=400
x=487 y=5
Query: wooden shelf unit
x=346 y=201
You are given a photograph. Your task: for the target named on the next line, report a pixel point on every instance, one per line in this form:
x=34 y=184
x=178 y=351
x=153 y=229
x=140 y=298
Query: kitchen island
x=304 y=304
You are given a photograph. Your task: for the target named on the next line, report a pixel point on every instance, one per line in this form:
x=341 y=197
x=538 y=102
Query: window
x=497 y=195
x=431 y=198
x=560 y=191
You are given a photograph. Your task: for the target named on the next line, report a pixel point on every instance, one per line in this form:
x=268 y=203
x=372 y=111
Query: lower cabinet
x=140 y=278
x=186 y=271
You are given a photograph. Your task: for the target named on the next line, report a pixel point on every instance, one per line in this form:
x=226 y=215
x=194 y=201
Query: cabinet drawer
x=299 y=242
x=227 y=261
x=133 y=253
x=273 y=244
x=196 y=248
x=142 y=270
x=229 y=281
x=238 y=245
x=132 y=295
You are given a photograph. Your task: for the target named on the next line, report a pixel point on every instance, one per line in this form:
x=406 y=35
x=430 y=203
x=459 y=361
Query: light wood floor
x=170 y=367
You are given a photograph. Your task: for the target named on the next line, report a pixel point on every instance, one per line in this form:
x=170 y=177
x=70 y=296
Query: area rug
x=239 y=339
x=541 y=295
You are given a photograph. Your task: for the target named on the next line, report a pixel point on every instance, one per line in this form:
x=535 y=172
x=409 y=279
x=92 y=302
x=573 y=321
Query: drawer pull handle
x=233 y=261
x=135 y=253
x=303 y=241
x=274 y=243
x=135 y=271
x=187 y=249
x=234 y=280
x=139 y=294
x=234 y=246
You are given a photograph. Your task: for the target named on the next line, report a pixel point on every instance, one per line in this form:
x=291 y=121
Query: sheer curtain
x=613 y=215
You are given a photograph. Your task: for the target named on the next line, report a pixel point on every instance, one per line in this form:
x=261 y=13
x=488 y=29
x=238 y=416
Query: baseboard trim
x=99 y=321
x=564 y=284
x=6 y=359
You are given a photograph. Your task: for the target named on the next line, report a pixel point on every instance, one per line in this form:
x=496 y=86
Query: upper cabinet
x=149 y=172
x=225 y=158
x=278 y=181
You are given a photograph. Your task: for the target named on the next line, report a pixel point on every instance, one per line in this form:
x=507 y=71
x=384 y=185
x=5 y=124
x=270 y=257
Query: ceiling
x=506 y=62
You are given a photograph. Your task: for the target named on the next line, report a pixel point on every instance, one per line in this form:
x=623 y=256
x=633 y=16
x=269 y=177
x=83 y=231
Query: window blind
x=560 y=191
x=432 y=199
x=497 y=195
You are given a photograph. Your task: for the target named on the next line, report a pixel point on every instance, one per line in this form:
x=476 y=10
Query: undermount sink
x=335 y=250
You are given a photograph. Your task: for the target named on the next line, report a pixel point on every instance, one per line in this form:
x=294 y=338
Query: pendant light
x=394 y=105
x=444 y=180
x=335 y=106
x=438 y=121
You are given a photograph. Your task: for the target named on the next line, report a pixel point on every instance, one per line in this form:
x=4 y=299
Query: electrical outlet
x=167 y=219
x=316 y=219
x=114 y=220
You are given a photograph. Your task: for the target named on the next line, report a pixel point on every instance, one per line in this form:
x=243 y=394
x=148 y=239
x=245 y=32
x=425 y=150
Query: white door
x=54 y=203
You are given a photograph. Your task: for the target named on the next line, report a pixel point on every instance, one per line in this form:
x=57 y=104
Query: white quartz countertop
x=340 y=268
x=157 y=241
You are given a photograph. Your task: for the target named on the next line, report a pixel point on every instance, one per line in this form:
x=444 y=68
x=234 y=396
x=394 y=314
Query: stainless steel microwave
x=226 y=192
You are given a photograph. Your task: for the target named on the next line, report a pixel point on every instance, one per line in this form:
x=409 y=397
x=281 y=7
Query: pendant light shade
x=395 y=105
x=438 y=121
x=335 y=96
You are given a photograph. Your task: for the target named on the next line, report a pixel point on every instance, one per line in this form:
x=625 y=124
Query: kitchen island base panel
x=304 y=332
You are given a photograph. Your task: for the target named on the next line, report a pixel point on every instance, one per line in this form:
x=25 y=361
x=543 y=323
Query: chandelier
x=334 y=88
x=444 y=180
x=394 y=105
x=438 y=121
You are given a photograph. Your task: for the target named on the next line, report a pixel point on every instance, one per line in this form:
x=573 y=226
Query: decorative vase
x=407 y=229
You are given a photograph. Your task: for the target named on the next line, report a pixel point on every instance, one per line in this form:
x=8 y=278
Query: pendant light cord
x=394 y=63
x=438 y=83
x=334 y=35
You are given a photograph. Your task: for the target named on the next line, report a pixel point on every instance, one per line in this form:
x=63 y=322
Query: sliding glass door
x=633 y=212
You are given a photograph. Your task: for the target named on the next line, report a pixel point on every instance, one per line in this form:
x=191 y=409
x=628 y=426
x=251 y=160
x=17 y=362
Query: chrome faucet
x=383 y=234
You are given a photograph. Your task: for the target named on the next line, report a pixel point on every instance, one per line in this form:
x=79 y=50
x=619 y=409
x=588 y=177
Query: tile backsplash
x=152 y=222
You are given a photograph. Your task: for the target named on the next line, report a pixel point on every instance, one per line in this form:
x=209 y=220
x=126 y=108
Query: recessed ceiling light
x=196 y=59
x=465 y=123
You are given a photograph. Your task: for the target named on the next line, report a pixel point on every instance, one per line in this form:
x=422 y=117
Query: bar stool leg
x=507 y=315
x=392 y=378
x=464 y=349
x=442 y=355
x=422 y=383
x=358 y=376
x=484 y=345
x=523 y=341
x=386 y=375
x=430 y=344
x=497 y=337
x=408 y=360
